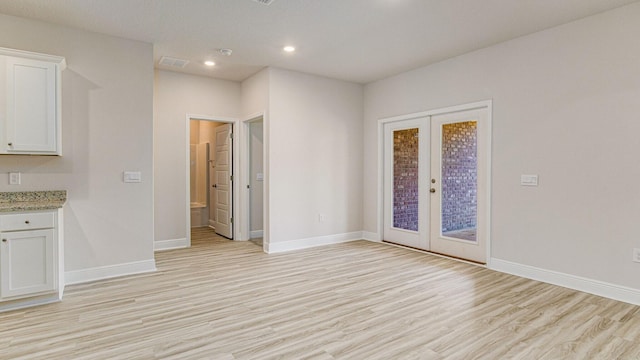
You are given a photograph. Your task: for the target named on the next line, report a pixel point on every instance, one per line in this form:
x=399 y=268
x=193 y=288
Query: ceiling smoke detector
x=173 y=62
x=225 y=52
x=264 y=2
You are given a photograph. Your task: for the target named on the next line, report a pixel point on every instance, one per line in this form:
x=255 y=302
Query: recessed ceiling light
x=209 y=63
x=289 y=49
x=264 y=2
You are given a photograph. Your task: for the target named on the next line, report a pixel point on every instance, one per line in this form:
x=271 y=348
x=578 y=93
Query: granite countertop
x=32 y=200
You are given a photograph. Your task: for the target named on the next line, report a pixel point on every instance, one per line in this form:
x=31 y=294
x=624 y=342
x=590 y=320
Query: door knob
x=432 y=190
x=4 y=240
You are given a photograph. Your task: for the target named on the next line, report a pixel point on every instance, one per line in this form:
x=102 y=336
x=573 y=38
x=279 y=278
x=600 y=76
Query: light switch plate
x=14 y=178
x=259 y=177
x=132 y=177
x=529 y=180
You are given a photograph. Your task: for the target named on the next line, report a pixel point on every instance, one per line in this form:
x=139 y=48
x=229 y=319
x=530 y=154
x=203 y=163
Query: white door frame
x=245 y=180
x=237 y=235
x=486 y=104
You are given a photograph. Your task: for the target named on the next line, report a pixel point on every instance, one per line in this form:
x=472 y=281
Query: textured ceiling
x=354 y=40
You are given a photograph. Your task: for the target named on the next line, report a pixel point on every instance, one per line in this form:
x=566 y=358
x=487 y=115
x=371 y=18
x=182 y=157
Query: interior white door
x=406 y=182
x=459 y=184
x=223 y=185
x=211 y=174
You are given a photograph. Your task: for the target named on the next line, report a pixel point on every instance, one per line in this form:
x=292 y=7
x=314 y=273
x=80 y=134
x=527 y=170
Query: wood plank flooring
x=227 y=300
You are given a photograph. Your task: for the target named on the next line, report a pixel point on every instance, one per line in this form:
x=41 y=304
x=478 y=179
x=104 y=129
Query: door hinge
x=230 y=135
x=231 y=220
x=231 y=178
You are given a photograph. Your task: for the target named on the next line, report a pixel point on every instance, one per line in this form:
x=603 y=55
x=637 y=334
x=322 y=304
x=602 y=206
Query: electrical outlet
x=14 y=178
x=636 y=255
x=321 y=217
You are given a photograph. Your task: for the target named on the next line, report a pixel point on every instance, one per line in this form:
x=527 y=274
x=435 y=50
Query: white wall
x=176 y=95
x=315 y=156
x=107 y=126
x=566 y=105
x=255 y=94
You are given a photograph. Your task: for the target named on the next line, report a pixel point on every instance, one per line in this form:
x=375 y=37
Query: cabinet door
x=27 y=262
x=31 y=124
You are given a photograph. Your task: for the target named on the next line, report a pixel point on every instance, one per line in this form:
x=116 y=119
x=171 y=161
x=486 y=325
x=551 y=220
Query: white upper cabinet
x=30 y=103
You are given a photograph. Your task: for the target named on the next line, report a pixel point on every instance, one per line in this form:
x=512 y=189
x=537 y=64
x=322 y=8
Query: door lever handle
x=432 y=190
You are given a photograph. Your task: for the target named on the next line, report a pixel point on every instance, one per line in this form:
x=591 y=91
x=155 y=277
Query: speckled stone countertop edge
x=32 y=200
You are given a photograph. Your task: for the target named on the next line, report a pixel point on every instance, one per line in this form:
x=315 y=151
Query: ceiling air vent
x=173 y=62
x=264 y=2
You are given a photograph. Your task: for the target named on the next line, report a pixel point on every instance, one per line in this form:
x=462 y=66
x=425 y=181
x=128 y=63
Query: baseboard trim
x=256 y=234
x=371 y=236
x=161 y=245
x=299 y=244
x=596 y=287
x=109 y=271
x=28 y=302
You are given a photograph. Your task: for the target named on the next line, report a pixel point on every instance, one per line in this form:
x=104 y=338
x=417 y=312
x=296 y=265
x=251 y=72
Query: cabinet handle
x=10 y=144
x=26 y=221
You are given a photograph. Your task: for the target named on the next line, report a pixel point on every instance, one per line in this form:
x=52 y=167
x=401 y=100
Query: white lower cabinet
x=29 y=256
x=27 y=265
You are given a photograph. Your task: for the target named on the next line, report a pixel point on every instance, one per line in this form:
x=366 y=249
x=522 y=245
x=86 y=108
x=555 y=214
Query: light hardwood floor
x=227 y=300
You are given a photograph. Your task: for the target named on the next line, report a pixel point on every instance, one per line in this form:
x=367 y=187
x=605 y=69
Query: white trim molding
x=35 y=56
x=161 y=245
x=298 y=244
x=109 y=271
x=600 y=288
x=256 y=234
x=28 y=302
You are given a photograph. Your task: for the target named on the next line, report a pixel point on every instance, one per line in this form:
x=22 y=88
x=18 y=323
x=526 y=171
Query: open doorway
x=255 y=186
x=210 y=174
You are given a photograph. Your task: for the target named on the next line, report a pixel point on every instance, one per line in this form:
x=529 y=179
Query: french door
x=435 y=183
x=406 y=178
